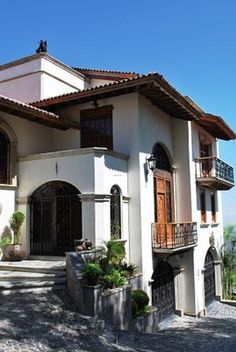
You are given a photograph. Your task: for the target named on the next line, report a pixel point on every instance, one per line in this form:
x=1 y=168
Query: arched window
x=162 y=160
x=115 y=212
x=4 y=158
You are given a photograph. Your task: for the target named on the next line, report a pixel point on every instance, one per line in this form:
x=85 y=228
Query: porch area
x=66 y=196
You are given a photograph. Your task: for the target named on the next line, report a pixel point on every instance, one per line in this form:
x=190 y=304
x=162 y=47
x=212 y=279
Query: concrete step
x=37 y=266
x=21 y=284
x=46 y=258
x=6 y=292
x=6 y=275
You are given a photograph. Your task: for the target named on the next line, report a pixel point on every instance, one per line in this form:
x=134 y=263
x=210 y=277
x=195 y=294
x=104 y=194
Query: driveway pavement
x=46 y=321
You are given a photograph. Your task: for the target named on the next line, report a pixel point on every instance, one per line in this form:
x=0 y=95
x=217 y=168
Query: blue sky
x=192 y=43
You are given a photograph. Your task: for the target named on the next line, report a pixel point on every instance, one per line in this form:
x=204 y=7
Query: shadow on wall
x=6 y=235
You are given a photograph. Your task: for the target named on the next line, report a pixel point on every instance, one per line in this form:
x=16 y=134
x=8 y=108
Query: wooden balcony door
x=164 y=211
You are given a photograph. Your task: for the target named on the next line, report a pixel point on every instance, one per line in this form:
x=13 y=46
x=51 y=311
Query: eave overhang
x=216 y=126
x=152 y=86
x=30 y=113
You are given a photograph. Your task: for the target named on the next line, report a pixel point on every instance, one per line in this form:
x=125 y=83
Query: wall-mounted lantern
x=151 y=162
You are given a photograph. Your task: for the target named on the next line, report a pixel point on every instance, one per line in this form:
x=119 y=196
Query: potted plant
x=15 y=250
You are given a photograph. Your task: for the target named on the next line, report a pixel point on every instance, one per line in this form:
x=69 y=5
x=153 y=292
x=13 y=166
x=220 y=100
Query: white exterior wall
x=204 y=230
x=38 y=79
x=31 y=137
x=7 y=206
x=81 y=169
x=155 y=127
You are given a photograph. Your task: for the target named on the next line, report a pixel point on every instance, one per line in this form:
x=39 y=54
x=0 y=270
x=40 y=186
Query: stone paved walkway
x=214 y=333
x=46 y=321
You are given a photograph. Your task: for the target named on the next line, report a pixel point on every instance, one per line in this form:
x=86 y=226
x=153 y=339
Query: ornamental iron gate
x=163 y=290
x=209 y=279
x=55 y=219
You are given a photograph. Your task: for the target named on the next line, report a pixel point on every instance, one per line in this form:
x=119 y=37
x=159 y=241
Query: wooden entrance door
x=164 y=212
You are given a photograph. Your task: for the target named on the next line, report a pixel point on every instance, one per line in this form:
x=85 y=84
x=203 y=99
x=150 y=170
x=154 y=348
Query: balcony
x=214 y=173
x=173 y=237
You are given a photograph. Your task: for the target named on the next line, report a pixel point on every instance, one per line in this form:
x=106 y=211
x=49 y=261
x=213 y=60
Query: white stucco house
x=92 y=154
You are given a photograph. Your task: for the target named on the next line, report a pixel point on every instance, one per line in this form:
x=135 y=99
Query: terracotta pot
x=13 y=252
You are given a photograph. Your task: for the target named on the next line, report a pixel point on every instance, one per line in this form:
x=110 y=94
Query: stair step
x=38 y=266
x=6 y=292
x=47 y=258
x=32 y=276
x=13 y=285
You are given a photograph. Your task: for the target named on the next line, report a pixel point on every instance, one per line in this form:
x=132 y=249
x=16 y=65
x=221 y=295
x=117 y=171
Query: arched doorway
x=163 y=290
x=209 y=278
x=163 y=197
x=55 y=219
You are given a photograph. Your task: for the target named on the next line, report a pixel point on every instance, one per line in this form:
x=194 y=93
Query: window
x=96 y=127
x=115 y=212
x=4 y=158
x=205 y=146
x=203 y=206
x=213 y=207
x=162 y=160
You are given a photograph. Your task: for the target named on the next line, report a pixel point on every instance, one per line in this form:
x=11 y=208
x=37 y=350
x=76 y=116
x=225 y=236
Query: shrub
x=113 y=279
x=141 y=299
x=92 y=273
x=16 y=222
x=128 y=269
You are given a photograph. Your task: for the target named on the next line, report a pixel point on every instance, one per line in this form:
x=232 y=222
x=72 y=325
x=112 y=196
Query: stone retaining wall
x=114 y=306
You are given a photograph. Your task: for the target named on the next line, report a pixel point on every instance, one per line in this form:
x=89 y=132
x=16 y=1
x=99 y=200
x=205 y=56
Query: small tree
x=228 y=257
x=16 y=222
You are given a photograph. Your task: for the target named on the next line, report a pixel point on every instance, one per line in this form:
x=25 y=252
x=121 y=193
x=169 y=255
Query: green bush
x=113 y=279
x=128 y=269
x=92 y=273
x=141 y=299
x=16 y=222
x=115 y=252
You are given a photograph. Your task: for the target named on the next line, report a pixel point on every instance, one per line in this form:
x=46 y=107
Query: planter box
x=148 y=322
x=116 y=307
x=136 y=281
x=113 y=306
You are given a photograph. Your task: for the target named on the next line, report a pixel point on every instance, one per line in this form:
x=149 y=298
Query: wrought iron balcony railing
x=215 y=173
x=172 y=236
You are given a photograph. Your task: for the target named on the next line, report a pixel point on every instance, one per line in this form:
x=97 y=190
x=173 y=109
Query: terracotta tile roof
x=106 y=74
x=28 y=112
x=152 y=85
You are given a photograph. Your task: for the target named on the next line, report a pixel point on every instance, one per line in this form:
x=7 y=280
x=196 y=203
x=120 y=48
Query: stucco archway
x=55 y=218
x=209 y=278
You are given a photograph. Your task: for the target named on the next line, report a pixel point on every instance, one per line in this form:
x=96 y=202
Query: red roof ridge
x=97 y=70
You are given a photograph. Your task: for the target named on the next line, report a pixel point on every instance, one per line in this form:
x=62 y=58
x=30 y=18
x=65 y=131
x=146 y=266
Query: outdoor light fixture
x=151 y=162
